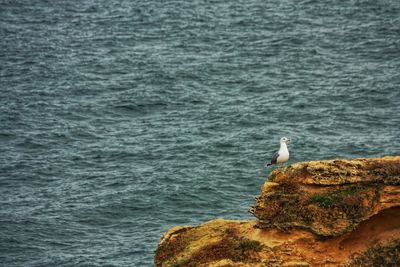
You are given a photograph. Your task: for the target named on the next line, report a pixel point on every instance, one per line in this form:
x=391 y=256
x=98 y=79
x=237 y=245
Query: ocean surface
x=120 y=119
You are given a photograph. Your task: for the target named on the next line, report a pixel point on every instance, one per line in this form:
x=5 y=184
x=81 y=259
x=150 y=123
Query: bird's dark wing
x=274 y=159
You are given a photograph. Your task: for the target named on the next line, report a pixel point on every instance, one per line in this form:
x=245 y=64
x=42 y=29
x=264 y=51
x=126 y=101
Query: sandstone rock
x=329 y=198
x=323 y=213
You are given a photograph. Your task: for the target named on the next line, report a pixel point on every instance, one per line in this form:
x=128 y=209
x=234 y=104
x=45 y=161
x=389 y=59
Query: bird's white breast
x=283 y=154
x=283 y=157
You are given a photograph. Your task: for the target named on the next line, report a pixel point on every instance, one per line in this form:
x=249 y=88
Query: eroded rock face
x=240 y=243
x=320 y=213
x=211 y=242
x=328 y=198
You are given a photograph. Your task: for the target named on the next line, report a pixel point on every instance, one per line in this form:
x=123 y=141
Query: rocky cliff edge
x=317 y=213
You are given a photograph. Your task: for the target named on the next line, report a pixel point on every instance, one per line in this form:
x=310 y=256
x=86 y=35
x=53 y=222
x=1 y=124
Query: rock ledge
x=318 y=213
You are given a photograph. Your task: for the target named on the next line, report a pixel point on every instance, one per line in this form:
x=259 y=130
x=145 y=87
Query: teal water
x=120 y=119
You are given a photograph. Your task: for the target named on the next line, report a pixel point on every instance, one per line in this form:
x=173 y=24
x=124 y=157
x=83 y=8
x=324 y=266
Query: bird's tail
x=269 y=164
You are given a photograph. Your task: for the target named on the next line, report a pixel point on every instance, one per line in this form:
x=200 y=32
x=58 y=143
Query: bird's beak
x=289 y=140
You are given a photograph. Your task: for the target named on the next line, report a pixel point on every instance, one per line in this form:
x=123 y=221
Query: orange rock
x=320 y=213
x=328 y=198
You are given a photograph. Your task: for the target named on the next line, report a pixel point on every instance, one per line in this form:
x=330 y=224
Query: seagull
x=283 y=154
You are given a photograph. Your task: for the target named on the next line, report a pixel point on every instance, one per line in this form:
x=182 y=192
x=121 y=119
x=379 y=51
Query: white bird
x=283 y=154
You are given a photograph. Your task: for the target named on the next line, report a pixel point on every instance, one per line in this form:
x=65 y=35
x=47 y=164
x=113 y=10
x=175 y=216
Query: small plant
x=324 y=201
x=247 y=244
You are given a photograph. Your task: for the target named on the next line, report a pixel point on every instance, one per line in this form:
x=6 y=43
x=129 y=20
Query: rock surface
x=319 y=213
x=329 y=198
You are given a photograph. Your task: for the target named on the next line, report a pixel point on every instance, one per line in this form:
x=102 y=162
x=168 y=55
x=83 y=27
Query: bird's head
x=285 y=140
